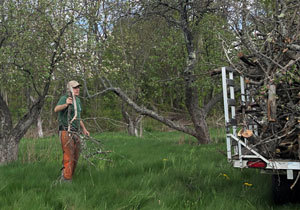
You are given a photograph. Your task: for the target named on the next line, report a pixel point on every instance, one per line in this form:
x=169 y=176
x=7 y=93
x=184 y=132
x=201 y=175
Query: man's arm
x=85 y=131
x=59 y=108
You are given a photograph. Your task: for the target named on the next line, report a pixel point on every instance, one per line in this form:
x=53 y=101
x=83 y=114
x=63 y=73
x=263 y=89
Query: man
x=69 y=126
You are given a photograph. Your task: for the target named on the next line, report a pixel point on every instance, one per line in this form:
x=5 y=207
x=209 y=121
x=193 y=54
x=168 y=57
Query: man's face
x=76 y=91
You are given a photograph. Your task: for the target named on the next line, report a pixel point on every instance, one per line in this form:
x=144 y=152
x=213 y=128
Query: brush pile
x=272 y=110
x=270 y=64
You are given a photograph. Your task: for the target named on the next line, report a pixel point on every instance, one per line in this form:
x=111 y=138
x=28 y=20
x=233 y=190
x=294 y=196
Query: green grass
x=158 y=171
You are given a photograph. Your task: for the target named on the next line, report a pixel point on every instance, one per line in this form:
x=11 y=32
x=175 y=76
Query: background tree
x=143 y=59
x=185 y=16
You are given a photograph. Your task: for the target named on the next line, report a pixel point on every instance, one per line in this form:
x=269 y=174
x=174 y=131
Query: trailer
x=242 y=152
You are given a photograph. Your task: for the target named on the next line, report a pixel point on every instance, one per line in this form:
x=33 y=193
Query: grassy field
x=158 y=171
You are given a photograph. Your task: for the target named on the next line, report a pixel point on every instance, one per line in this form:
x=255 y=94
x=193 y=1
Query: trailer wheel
x=281 y=189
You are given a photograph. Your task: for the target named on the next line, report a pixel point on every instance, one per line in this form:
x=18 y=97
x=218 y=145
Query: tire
x=281 y=190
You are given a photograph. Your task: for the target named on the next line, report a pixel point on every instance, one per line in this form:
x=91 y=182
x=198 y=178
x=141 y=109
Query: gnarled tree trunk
x=133 y=122
x=197 y=114
x=39 y=122
x=8 y=150
x=10 y=136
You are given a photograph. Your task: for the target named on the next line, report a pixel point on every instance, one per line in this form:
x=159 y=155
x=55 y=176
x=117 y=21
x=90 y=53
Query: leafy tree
x=143 y=58
x=184 y=16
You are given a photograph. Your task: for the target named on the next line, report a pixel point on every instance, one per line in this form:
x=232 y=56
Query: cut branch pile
x=273 y=109
x=270 y=63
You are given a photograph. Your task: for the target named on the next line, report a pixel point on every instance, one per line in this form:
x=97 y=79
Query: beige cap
x=73 y=84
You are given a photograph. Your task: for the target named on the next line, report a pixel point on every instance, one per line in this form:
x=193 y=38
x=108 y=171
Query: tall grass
x=159 y=171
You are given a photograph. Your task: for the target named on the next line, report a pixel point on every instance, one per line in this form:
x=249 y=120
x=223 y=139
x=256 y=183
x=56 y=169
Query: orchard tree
x=186 y=17
x=144 y=58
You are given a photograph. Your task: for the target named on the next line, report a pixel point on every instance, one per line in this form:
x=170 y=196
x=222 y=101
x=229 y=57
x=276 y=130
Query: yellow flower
x=225 y=175
x=165 y=159
x=248 y=184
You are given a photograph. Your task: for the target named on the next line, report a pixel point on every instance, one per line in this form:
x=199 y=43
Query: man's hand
x=85 y=132
x=69 y=101
x=59 y=108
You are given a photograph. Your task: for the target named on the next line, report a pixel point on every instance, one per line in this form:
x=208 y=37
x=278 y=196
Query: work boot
x=63 y=180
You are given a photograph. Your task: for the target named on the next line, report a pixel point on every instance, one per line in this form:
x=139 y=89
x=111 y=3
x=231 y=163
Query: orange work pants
x=71 y=151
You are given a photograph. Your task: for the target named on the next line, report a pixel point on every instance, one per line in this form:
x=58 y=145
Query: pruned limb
x=272 y=103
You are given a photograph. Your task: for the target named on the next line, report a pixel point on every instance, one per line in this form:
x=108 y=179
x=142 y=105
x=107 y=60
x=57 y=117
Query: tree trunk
x=133 y=122
x=4 y=96
x=133 y=128
x=40 y=127
x=197 y=114
x=39 y=121
x=10 y=136
x=8 y=150
x=191 y=92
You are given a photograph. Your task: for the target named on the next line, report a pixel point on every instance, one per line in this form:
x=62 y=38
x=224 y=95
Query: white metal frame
x=235 y=144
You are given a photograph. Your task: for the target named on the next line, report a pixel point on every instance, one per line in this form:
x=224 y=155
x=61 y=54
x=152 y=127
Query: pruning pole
x=69 y=109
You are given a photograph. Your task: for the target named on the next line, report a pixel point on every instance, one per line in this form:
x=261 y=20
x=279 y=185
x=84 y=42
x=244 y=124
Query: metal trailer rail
x=239 y=151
